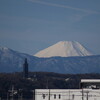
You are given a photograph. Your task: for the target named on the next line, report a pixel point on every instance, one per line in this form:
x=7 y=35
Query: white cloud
x=63 y=6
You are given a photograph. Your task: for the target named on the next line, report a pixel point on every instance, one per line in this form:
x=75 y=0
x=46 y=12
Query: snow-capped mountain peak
x=64 y=49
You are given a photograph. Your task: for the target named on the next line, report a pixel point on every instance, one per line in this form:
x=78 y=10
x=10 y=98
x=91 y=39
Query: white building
x=90 y=83
x=67 y=94
x=70 y=94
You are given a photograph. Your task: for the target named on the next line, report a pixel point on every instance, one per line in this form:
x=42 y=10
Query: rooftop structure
x=90 y=80
x=90 y=83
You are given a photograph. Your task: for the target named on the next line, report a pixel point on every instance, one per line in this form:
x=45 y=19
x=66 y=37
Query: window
x=59 y=96
x=54 y=96
x=43 y=96
x=73 y=96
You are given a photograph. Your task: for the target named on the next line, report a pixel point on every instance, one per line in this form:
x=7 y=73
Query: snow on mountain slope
x=64 y=49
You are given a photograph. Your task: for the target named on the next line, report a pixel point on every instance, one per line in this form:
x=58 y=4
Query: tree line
x=40 y=80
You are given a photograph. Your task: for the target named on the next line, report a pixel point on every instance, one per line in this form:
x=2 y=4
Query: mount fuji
x=64 y=49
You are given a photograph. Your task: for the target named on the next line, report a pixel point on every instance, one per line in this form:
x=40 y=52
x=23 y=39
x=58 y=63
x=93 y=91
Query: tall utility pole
x=87 y=94
x=47 y=85
x=82 y=94
x=49 y=94
x=69 y=94
x=7 y=96
x=33 y=94
x=12 y=92
x=20 y=94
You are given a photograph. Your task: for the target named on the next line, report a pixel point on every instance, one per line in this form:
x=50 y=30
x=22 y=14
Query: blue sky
x=31 y=25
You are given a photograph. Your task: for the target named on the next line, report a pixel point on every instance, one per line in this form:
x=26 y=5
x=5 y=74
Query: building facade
x=89 y=90
x=67 y=94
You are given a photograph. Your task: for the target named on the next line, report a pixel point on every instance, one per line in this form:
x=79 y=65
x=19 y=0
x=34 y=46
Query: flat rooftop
x=90 y=80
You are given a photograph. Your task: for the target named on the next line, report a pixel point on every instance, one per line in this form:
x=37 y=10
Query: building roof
x=90 y=80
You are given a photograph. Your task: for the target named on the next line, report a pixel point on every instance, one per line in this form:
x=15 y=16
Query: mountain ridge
x=12 y=61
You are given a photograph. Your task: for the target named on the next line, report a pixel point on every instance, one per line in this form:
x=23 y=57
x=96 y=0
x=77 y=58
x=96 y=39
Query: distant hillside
x=12 y=61
x=88 y=64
